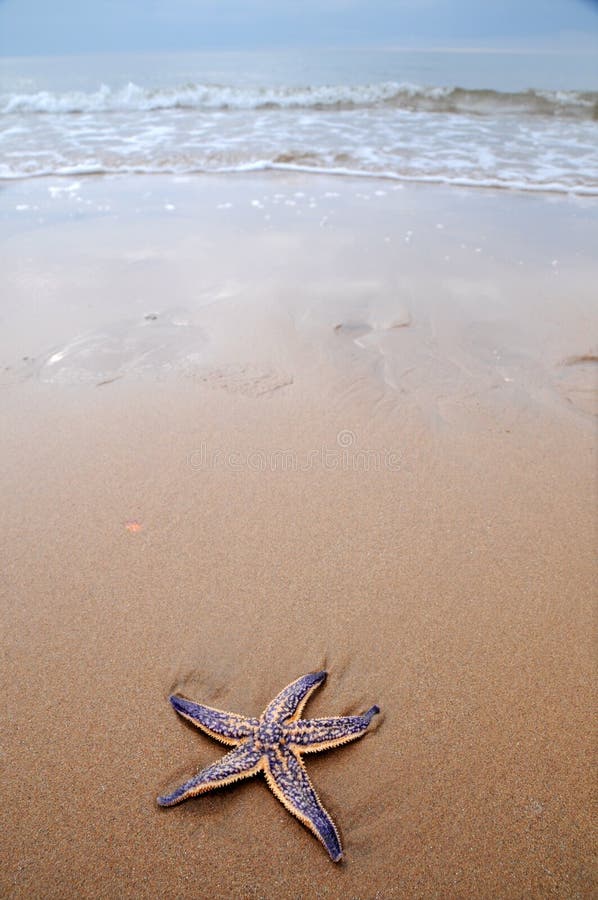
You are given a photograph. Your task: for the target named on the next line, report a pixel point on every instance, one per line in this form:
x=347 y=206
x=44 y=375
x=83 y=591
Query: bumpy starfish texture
x=273 y=744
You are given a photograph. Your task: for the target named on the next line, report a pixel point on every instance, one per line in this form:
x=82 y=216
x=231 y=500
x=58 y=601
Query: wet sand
x=256 y=427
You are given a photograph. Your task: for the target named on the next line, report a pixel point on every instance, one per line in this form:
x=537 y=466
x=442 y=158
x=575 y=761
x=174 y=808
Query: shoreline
x=577 y=191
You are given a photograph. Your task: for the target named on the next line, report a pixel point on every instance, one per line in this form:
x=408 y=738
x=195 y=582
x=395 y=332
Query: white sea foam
x=527 y=140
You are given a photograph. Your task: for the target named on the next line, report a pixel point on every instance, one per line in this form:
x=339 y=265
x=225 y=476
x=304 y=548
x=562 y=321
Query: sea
x=525 y=121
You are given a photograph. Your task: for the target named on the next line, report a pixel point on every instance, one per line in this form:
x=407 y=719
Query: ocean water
x=506 y=120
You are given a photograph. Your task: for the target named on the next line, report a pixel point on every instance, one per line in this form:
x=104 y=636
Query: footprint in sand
x=245 y=379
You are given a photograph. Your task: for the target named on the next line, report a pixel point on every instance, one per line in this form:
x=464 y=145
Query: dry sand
x=255 y=427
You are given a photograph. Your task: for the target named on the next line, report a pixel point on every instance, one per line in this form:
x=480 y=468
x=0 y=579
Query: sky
x=47 y=27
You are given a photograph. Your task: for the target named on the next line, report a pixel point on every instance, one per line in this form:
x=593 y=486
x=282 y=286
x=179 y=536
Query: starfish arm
x=228 y=728
x=290 y=702
x=242 y=762
x=311 y=735
x=288 y=780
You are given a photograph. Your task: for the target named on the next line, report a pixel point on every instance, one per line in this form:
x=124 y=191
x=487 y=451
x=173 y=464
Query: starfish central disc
x=270 y=733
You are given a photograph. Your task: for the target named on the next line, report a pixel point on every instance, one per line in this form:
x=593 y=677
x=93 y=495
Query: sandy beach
x=259 y=425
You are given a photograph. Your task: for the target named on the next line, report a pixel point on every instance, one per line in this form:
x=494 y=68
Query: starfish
x=273 y=744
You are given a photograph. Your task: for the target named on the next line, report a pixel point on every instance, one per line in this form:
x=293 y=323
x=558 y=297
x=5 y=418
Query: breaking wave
x=405 y=96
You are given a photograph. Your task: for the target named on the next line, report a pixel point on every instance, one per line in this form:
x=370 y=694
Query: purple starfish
x=273 y=744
